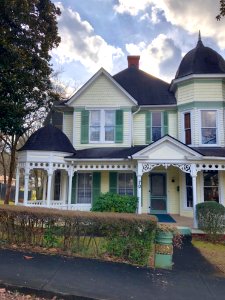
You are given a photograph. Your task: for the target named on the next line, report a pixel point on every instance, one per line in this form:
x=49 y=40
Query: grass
x=214 y=253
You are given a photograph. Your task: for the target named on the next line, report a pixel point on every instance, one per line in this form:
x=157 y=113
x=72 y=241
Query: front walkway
x=192 y=277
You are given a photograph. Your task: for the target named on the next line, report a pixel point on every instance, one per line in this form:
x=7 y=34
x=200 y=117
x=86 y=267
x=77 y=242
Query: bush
x=128 y=237
x=211 y=218
x=115 y=203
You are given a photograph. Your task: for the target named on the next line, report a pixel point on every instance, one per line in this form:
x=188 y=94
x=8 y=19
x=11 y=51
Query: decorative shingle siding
x=68 y=125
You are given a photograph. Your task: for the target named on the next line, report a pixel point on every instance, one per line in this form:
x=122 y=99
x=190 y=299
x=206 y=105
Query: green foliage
x=127 y=237
x=109 y=202
x=211 y=218
x=28 y=32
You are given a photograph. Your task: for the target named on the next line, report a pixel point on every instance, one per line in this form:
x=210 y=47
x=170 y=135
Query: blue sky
x=101 y=33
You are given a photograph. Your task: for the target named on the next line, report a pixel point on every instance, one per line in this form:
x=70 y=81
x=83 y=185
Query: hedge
x=128 y=237
x=109 y=202
x=211 y=218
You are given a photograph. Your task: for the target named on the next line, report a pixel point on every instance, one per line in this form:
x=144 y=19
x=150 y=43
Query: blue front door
x=158 y=195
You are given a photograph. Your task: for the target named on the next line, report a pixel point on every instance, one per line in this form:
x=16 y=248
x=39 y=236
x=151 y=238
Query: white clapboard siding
x=139 y=129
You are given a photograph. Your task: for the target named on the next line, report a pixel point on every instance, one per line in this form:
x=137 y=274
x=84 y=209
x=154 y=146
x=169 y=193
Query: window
x=187 y=128
x=156 y=126
x=211 y=186
x=189 y=191
x=125 y=184
x=57 y=185
x=84 y=188
x=208 y=127
x=102 y=125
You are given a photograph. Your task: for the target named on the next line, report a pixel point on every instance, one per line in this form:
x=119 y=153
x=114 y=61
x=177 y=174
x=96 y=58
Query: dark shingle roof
x=48 y=138
x=211 y=151
x=105 y=153
x=201 y=60
x=144 y=88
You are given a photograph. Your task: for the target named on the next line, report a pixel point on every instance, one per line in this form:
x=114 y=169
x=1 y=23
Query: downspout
x=132 y=124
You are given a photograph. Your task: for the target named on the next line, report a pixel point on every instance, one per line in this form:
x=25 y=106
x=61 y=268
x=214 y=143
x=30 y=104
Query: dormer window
x=208 y=127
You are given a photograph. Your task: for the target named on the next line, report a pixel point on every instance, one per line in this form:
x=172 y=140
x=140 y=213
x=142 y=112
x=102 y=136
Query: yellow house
x=133 y=133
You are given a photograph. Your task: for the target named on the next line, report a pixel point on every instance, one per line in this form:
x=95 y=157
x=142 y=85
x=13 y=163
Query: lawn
x=214 y=253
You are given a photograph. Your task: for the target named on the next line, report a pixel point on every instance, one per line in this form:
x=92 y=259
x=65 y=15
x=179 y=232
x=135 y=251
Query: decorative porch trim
x=147 y=167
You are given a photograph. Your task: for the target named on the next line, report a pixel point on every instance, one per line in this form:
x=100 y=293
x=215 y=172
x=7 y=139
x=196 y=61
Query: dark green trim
x=201 y=104
x=74 y=188
x=96 y=186
x=113 y=182
x=135 y=184
x=84 y=130
x=119 y=126
x=165 y=123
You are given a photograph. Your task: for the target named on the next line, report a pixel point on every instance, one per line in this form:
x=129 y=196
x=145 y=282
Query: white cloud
x=79 y=43
x=157 y=58
x=191 y=15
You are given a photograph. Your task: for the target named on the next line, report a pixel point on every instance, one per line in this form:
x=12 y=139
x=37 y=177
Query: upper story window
x=187 y=128
x=156 y=126
x=102 y=125
x=208 y=127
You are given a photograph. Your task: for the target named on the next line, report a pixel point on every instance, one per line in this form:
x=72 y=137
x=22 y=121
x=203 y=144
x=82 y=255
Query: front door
x=158 y=197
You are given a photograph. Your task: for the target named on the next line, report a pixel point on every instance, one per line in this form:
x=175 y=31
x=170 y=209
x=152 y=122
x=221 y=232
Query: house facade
x=135 y=134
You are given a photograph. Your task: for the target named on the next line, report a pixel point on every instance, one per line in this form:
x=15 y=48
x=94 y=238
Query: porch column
x=26 y=183
x=17 y=185
x=194 y=190
x=44 y=187
x=70 y=173
x=139 y=187
x=50 y=173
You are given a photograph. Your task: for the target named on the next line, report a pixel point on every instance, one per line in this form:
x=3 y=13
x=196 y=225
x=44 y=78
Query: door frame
x=166 y=196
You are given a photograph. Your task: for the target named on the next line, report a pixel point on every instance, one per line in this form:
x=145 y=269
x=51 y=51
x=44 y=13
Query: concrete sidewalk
x=192 y=277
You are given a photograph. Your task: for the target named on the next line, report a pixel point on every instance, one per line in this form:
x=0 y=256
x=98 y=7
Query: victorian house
x=135 y=134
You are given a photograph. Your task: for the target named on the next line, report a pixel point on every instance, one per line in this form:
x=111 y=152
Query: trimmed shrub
x=128 y=237
x=211 y=218
x=115 y=203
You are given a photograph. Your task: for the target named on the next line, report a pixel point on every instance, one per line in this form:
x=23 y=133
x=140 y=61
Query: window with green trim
x=84 y=188
x=102 y=125
x=125 y=184
x=157 y=126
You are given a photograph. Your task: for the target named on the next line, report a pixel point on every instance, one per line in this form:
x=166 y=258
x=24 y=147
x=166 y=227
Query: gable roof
x=169 y=142
x=145 y=88
x=93 y=78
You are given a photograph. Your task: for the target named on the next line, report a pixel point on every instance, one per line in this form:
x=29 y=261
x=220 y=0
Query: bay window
x=187 y=128
x=208 y=127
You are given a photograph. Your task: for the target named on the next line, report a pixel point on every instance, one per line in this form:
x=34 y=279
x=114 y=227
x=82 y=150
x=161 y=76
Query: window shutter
x=74 y=188
x=165 y=122
x=135 y=184
x=96 y=186
x=113 y=182
x=84 y=130
x=148 y=127
x=119 y=126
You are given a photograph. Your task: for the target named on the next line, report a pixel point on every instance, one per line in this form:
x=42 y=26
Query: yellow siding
x=172 y=120
x=145 y=193
x=208 y=90
x=126 y=132
x=102 y=92
x=104 y=182
x=173 y=205
x=185 y=93
x=139 y=129
x=68 y=126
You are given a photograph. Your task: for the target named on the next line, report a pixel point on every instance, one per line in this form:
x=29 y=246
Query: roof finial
x=199 y=36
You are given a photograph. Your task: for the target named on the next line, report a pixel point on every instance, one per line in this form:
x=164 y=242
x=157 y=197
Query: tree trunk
x=11 y=171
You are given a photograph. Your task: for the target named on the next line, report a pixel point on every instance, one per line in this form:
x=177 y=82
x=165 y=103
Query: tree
x=28 y=31
x=222 y=10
